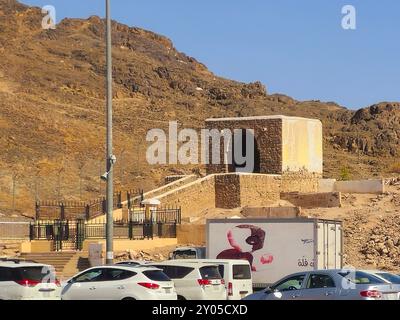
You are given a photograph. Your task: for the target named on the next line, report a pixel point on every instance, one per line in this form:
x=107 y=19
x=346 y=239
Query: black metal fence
x=72 y=210
x=161 y=215
x=70 y=234
x=134 y=195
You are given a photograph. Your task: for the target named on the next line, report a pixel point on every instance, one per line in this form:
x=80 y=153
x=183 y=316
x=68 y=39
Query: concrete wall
x=361 y=186
x=36 y=246
x=193 y=197
x=191 y=234
x=301 y=145
x=300 y=182
x=124 y=245
x=259 y=189
x=326 y=185
x=352 y=186
x=12 y=230
x=234 y=190
x=168 y=187
x=170 y=179
x=313 y=200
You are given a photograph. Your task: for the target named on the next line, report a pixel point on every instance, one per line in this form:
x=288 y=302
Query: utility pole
x=109 y=156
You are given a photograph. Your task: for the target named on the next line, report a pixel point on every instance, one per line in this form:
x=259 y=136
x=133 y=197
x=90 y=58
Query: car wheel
x=129 y=298
x=181 y=298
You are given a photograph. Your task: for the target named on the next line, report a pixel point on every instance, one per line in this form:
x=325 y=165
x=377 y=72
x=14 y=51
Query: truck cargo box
x=276 y=247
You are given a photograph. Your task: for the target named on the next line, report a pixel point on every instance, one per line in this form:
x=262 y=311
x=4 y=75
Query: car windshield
x=210 y=272
x=360 y=277
x=389 y=277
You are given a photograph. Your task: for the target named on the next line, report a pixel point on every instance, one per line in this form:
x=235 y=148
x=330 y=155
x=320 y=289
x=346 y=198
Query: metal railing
x=78 y=230
x=70 y=210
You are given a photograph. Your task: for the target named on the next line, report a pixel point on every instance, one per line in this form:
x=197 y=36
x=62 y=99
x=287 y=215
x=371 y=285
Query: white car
x=21 y=280
x=133 y=263
x=194 y=281
x=119 y=282
x=236 y=274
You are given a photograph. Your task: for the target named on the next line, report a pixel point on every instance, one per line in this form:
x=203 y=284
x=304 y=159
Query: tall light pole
x=109 y=156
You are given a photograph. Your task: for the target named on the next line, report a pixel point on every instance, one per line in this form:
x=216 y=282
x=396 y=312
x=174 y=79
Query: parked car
x=22 y=280
x=132 y=263
x=188 y=253
x=387 y=277
x=390 y=277
x=194 y=281
x=236 y=275
x=119 y=282
x=328 y=285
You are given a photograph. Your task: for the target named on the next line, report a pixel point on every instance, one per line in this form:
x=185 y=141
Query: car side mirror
x=268 y=290
x=170 y=256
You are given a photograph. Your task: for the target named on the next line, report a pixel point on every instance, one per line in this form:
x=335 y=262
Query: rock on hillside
x=52 y=108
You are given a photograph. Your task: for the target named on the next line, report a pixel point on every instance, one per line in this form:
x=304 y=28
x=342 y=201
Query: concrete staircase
x=66 y=264
x=77 y=263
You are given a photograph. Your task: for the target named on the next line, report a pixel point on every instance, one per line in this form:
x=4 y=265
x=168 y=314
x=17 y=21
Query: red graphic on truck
x=256 y=240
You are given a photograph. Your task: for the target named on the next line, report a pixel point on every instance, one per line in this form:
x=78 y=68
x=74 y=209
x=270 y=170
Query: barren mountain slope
x=52 y=109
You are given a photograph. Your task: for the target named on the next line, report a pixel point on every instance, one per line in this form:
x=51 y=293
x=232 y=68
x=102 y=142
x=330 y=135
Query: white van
x=194 y=280
x=236 y=274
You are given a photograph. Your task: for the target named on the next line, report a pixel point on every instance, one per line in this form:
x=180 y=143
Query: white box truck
x=276 y=247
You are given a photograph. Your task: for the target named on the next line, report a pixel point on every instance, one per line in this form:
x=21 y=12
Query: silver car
x=329 y=285
x=389 y=277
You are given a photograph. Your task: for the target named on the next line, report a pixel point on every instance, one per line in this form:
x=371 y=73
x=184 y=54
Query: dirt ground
x=371 y=228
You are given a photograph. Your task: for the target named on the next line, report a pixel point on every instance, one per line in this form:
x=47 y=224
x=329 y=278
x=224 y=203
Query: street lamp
x=110 y=158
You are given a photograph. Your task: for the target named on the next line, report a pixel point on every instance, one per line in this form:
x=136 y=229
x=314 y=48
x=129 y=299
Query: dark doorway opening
x=253 y=154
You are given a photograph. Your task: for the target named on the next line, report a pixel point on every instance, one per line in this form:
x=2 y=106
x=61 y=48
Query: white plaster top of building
x=260 y=118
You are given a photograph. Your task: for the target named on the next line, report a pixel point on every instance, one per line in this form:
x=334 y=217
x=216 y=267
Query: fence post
x=119 y=195
x=37 y=210
x=31 y=231
x=87 y=212
x=62 y=211
x=130 y=232
x=128 y=199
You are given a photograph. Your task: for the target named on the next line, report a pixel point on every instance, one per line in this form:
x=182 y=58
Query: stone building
x=281 y=144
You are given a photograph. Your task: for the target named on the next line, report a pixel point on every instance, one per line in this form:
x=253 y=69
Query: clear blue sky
x=294 y=47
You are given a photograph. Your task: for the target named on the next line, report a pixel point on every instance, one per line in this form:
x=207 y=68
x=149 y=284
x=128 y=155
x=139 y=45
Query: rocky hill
x=52 y=101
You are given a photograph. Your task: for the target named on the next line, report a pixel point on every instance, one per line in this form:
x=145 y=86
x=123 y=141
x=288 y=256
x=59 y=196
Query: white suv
x=236 y=273
x=194 y=281
x=118 y=282
x=20 y=280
